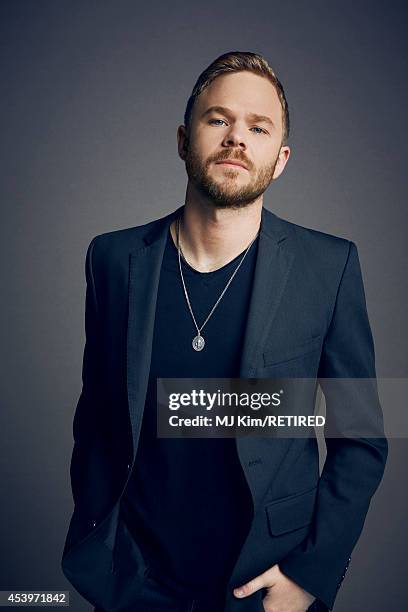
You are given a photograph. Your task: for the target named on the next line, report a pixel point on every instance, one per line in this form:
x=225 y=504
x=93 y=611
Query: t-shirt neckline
x=212 y=273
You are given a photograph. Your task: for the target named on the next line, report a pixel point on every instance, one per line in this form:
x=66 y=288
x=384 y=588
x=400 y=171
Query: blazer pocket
x=281 y=355
x=290 y=513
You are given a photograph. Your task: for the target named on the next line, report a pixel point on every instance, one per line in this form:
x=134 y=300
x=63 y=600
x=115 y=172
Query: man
x=223 y=288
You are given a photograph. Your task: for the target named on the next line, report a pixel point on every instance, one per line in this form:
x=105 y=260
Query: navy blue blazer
x=307 y=319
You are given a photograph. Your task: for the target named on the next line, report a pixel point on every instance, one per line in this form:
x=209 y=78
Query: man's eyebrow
x=260 y=118
x=227 y=112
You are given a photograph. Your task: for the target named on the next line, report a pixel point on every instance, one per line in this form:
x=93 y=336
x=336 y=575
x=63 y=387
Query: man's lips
x=232 y=162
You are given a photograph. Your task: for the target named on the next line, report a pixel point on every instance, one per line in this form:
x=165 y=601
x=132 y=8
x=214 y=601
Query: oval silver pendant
x=198 y=343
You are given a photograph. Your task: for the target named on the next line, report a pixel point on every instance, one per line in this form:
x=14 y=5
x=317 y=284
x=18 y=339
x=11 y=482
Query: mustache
x=227 y=155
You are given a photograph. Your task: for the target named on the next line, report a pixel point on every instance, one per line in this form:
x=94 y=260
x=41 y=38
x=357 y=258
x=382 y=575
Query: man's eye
x=212 y=120
x=261 y=131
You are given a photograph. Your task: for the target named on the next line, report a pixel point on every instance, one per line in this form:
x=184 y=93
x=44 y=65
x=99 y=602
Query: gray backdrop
x=92 y=96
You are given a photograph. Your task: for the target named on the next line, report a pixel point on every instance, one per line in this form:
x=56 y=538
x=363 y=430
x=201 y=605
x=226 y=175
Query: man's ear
x=282 y=161
x=184 y=142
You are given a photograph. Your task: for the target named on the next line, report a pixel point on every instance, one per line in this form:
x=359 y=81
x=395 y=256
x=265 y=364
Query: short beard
x=220 y=196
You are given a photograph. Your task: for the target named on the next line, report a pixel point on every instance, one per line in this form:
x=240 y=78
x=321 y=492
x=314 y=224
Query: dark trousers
x=153 y=596
x=156 y=597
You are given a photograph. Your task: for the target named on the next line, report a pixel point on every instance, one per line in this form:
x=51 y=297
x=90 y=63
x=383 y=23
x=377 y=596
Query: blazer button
x=128 y=467
x=93 y=523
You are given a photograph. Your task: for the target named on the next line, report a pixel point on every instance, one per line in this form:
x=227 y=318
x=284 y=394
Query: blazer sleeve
x=354 y=465
x=88 y=414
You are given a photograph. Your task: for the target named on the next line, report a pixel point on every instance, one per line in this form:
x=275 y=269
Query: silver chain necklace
x=198 y=342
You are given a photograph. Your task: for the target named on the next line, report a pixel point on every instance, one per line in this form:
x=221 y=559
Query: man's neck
x=211 y=237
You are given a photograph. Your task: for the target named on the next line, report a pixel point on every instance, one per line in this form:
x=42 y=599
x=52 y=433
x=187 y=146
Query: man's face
x=237 y=118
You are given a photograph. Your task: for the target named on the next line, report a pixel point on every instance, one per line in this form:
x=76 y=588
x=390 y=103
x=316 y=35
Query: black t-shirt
x=187 y=503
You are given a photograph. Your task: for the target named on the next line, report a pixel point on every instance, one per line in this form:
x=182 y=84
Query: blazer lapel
x=144 y=275
x=273 y=265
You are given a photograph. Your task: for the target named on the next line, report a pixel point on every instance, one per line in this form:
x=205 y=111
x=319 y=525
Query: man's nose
x=235 y=137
